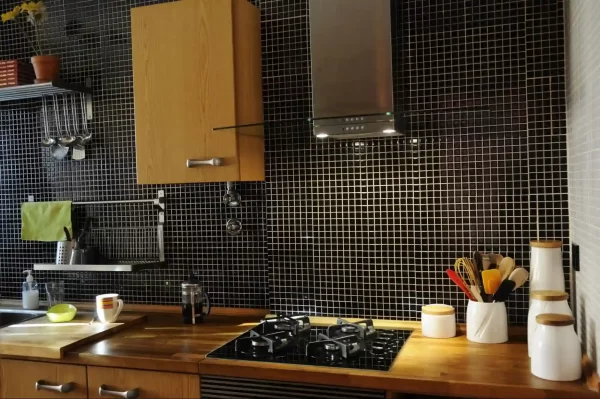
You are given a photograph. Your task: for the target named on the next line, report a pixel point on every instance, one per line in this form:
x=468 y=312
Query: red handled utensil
x=458 y=281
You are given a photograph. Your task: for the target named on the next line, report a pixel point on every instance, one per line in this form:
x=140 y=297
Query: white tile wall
x=583 y=135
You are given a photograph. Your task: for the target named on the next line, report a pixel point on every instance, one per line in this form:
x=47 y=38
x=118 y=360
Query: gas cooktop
x=293 y=340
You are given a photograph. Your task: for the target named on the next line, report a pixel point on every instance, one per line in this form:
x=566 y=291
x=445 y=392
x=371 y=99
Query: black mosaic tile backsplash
x=351 y=228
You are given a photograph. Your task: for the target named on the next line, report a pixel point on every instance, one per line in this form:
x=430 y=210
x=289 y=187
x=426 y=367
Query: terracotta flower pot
x=46 y=67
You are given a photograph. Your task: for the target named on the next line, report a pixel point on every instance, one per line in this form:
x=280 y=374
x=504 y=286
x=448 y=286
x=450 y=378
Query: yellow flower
x=10 y=15
x=32 y=6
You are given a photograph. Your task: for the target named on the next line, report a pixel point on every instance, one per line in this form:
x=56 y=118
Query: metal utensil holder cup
x=159 y=202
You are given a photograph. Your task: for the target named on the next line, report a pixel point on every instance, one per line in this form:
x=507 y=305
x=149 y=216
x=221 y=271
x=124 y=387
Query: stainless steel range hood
x=351 y=51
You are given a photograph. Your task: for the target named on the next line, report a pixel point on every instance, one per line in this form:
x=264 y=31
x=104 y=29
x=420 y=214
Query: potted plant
x=46 y=67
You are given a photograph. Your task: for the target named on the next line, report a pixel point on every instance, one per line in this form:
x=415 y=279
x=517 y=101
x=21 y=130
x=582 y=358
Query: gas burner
x=296 y=325
x=327 y=348
x=380 y=347
x=257 y=345
x=364 y=329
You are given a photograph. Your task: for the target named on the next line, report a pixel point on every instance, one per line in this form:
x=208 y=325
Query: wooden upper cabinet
x=115 y=382
x=197 y=66
x=18 y=379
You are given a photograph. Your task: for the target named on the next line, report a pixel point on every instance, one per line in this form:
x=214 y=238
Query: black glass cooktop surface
x=375 y=353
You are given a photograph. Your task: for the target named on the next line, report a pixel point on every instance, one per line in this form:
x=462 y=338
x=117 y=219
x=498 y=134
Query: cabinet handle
x=210 y=162
x=131 y=394
x=64 y=388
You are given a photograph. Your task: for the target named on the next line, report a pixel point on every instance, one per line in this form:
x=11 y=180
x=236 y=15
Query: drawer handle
x=131 y=394
x=210 y=162
x=64 y=388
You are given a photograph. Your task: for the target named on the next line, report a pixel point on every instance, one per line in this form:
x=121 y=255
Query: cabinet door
x=184 y=86
x=146 y=384
x=18 y=380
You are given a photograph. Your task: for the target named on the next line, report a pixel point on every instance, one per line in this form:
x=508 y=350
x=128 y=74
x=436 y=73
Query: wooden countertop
x=449 y=367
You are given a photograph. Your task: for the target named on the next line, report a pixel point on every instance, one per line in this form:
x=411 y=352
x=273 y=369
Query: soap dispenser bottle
x=31 y=294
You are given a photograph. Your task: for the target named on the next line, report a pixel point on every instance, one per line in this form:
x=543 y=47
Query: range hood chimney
x=351 y=51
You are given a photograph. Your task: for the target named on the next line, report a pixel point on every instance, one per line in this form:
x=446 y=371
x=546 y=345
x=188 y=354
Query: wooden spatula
x=519 y=276
x=506 y=266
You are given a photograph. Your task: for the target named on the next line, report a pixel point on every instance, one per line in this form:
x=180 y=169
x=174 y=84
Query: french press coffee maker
x=193 y=298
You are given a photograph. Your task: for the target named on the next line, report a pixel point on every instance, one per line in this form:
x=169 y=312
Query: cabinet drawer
x=125 y=383
x=18 y=380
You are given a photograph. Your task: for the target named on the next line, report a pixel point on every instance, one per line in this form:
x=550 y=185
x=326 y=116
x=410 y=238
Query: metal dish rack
x=115 y=242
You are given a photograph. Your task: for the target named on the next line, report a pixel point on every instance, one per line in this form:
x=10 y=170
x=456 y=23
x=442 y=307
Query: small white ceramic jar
x=556 y=350
x=438 y=321
x=487 y=322
x=546 y=270
x=545 y=302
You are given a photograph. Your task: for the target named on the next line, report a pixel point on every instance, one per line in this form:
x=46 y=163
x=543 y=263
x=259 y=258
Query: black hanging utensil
x=67 y=233
x=503 y=292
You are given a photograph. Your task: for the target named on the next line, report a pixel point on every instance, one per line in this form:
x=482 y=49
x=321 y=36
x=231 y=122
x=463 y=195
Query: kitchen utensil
x=78 y=154
x=476 y=291
x=86 y=136
x=108 y=307
x=84 y=231
x=478 y=261
x=487 y=323
x=193 y=298
x=67 y=233
x=503 y=292
x=491 y=280
x=438 y=321
x=459 y=282
x=495 y=260
x=506 y=266
x=544 y=302
x=58 y=150
x=486 y=262
x=546 y=266
x=556 y=350
x=55 y=291
x=47 y=141
x=61 y=313
x=467 y=272
x=519 y=276
x=70 y=139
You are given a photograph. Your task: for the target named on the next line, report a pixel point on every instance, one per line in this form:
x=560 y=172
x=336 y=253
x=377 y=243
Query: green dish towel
x=44 y=221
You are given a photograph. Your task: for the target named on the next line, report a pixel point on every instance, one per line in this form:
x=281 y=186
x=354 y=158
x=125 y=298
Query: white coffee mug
x=108 y=307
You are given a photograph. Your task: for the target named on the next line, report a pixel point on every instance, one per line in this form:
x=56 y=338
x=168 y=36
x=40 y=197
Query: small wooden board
x=41 y=338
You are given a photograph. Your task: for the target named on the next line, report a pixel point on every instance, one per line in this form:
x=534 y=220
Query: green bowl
x=61 y=313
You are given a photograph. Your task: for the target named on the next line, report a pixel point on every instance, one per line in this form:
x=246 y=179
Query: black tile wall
x=351 y=228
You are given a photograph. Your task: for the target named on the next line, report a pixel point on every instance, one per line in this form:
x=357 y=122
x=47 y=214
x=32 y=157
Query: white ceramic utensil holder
x=487 y=323
x=546 y=272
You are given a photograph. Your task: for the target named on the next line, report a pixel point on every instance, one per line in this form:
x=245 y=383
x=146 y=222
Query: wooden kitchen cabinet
x=197 y=66
x=150 y=384
x=18 y=380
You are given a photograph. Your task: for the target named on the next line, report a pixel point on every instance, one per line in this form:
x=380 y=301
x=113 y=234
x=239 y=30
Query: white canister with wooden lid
x=438 y=321
x=546 y=272
x=545 y=301
x=556 y=350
